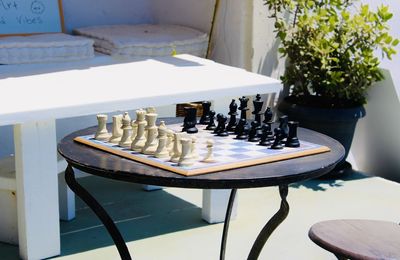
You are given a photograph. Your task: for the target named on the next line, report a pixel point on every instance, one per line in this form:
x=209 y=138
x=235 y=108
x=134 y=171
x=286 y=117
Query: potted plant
x=330 y=48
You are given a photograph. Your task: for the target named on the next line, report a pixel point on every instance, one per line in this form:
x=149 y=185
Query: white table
x=34 y=96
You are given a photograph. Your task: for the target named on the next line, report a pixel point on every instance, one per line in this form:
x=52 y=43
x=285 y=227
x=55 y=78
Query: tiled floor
x=166 y=224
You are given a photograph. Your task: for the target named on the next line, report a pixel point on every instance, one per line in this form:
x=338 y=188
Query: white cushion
x=146 y=39
x=44 y=48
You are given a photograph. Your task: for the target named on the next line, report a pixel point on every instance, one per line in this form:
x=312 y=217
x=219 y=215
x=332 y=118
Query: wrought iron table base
x=267 y=230
x=112 y=229
x=99 y=211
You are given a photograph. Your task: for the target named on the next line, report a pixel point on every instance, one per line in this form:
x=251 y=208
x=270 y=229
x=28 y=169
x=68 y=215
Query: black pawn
x=219 y=126
x=211 y=124
x=222 y=131
x=283 y=125
x=266 y=138
x=279 y=136
x=190 y=120
x=205 y=117
x=268 y=115
x=232 y=120
x=240 y=130
x=253 y=137
x=292 y=140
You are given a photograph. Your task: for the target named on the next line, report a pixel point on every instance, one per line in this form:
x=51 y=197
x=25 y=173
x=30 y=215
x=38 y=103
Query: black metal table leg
x=271 y=225
x=226 y=223
x=99 y=211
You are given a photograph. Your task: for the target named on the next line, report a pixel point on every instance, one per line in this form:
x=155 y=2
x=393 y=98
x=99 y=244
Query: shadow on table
x=324 y=184
x=137 y=213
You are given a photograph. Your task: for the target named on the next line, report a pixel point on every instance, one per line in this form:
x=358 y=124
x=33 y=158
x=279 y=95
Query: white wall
x=81 y=13
x=193 y=13
x=376 y=145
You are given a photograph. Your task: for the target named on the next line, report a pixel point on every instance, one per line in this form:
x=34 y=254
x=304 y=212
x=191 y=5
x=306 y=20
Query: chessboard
x=228 y=152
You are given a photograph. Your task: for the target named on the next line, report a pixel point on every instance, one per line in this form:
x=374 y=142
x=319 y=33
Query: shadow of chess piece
x=191 y=120
x=205 y=117
x=232 y=120
x=292 y=140
x=211 y=125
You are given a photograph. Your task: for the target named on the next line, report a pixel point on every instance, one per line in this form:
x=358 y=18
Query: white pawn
x=116 y=129
x=209 y=158
x=126 y=140
x=102 y=132
x=177 y=149
x=140 y=139
x=186 y=158
x=162 y=151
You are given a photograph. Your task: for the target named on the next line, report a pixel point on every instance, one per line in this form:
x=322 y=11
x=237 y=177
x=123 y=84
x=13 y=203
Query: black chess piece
x=240 y=130
x=253 y=137
x=292 y=140
x=243 y=107
x=205 y=117
x=257 y=103
x=268 y=116
x=190 y=120
x=211 y=124
x=283 y=125
x=222 y=122
x=219 y=126
x=267 y=137
x=232 y=119
x=279 y=136
x=243 y=111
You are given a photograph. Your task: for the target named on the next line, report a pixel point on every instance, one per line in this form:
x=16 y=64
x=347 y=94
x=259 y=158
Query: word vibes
x=23 y=19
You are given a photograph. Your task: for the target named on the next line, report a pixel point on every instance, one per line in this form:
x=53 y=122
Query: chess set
x=194 y=148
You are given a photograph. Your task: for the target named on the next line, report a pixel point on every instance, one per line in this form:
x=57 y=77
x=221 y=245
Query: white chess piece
x=126 y=140
x=162 y=151
x=186 y=158
x=116 y=129
x=208 y=158
x=140 y=139
x=151 y=144
x=193 y=149
x=170 y=141
x=177 y=149
x=151 y=110
x=102 y=132
x=134 y=130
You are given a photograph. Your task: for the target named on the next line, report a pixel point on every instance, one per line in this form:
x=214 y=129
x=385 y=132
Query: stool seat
x=358 y=239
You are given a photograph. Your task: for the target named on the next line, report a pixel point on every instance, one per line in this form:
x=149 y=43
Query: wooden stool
x=358 y=239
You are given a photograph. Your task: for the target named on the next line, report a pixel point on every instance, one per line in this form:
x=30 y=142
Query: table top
x=107 y=165
x=35 y=92
x=358 y=238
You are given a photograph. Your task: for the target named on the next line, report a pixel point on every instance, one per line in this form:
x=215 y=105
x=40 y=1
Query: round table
x=280 y=173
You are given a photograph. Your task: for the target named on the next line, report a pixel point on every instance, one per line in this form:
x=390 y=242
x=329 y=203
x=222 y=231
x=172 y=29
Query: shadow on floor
x=321 y=184
x=137 y=213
